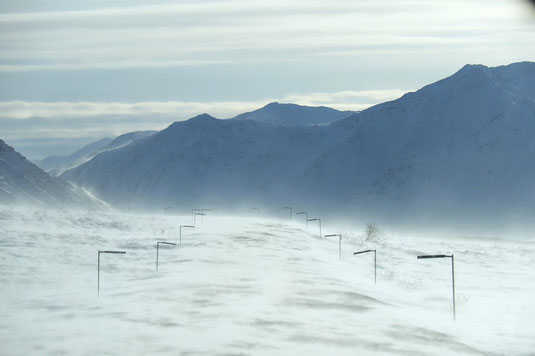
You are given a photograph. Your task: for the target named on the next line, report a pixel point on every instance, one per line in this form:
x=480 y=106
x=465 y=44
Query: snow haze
x=253 y=286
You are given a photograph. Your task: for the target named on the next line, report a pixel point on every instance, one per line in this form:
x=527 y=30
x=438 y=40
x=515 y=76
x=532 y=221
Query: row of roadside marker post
x=195 y=213
x=375 y=251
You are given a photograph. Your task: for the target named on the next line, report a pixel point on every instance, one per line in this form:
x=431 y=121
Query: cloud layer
x=76 y=70
x=219 y=32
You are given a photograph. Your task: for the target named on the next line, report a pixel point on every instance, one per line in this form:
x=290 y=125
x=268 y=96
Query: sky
x=72 y=71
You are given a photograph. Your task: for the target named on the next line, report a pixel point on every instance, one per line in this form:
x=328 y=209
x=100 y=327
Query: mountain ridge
x=458 y=146
x=24 y=183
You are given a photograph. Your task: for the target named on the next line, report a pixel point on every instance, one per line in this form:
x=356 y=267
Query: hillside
x=55 y=165
x=458 y=150
x=23 y=183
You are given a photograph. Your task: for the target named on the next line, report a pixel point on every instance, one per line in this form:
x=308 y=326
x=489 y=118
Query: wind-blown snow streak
x=252 y=286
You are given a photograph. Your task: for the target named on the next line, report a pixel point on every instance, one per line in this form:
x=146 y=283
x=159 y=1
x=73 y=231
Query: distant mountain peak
x=204 y=116
x=288 y=114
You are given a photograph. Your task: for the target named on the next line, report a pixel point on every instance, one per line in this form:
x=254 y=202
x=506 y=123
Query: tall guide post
x=158 y=249
x=374 y=261
x=180 y=232
x=98 y=266
x=288 y=208
x=306 y=216
x=319 y=221
x=452 y=273
x=202 y=211
x=339 y=243
x=195 y=218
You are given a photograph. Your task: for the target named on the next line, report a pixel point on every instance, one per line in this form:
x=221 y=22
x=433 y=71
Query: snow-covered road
x=252 y=286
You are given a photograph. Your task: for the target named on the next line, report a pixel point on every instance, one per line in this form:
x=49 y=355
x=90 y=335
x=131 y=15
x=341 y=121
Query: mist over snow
x=253 y=286
x=457 y=152
x=242 y=177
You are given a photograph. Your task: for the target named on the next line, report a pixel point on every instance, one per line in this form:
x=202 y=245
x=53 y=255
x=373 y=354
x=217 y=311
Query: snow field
x=252 y=286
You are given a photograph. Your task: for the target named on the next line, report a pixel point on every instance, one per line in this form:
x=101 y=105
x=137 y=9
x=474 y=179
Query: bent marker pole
x=319 y=221
x=452 y=273
x=180 y=229
x=98 y=266
x=339 y=243
x=306 y=216
x=374 y=260
x=158 y=249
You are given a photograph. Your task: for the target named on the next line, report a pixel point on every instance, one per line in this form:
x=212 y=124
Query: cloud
x=39 y=129
x=222 y=32
x=343 y=100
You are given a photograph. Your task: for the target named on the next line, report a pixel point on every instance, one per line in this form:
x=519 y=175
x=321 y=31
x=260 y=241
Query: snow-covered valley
x=247 y=285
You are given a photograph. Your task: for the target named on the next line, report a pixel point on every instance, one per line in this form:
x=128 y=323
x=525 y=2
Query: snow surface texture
x=293 y=115
x=22 y=182
x=457 y=152
x=253 y=287
x=55 y=165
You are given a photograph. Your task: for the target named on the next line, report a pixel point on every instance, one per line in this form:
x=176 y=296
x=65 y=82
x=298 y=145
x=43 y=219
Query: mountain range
x=457 y=150
x=55 y=165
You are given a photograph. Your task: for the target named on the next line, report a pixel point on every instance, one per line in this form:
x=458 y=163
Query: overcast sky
x=74 y=71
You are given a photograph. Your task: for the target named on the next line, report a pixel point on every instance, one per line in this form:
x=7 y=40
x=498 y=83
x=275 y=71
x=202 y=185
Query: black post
x=319 y=221
x=98 y=266
x=339 y=243
x=202 y=211
x=180 y=229
x=374 y=261
x=194 y=218
x=193 y=215
x=306 y=217
x=165 y=209
x=288 y=208
x=158 y=249
x=453 y=282
x=452 y=273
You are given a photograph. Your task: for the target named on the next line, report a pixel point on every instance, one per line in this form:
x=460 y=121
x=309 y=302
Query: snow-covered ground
x=253 y=286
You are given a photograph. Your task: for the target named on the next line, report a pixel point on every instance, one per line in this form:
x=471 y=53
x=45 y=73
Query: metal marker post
x=158 y=249
x=194 y=218
x=193 y=213
x=306 y=216
x=452 y=273
x=180 y=229
x=288 y=208
x=374 y=260
x=339 y=243
x=318 y=220
x=202 y=211
x=165 y=209
x=98 y=266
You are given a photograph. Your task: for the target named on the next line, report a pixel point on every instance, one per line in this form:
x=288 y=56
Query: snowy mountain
x=203 y=159
x=292 y=114
x=55 y=165
x=458 y=149
x=22 y=182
